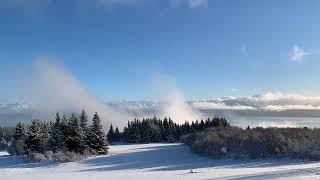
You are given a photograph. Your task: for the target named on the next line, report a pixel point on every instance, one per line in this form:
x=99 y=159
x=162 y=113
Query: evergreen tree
x=75 y=134
x=44 y=136
x=56 y=139
x=18 y=145
x=20 y=133
x=98 y=142
x=111 y=134
x=33 y=140
x=84 y=121
x=64 y=127
x=117 y=135
x=85 y=129
x=133 y=134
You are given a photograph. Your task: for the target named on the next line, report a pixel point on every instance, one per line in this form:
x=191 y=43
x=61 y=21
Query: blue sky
x=212 y=48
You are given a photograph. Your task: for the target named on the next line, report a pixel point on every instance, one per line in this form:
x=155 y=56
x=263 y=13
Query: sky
x=211 y=48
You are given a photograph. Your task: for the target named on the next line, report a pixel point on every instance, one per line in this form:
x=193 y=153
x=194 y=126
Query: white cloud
x=298 y=54
x=219 y=105
x=268 y=101
x=291 y=107
x=133 y=3
x=279 y=98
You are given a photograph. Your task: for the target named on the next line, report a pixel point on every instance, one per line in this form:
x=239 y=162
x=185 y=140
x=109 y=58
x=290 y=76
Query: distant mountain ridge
x=267 y=104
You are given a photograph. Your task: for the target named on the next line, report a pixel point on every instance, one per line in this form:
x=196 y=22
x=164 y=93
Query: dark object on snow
x=191 y=171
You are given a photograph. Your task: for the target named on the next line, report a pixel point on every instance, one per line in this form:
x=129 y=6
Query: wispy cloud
x=109 y=4
x=189 y=3
x=298 y=54
x=134 y=3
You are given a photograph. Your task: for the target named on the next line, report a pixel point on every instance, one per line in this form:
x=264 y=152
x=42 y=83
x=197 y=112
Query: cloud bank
x=270 y=101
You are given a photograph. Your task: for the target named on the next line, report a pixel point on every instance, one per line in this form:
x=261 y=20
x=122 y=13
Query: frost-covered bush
x=256 y=142
x=60 y=157
x=49 y=154
x=66 y=156
x=39 y=157
x=72 y=156
x=35 y=157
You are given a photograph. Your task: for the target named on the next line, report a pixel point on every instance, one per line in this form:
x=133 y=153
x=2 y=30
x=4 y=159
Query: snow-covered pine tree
x=74 y=135
x=64 y=127
x=84 y=120
x=98 y=142
x=33 y=140
x=117 y=135
x=111 y=134
x=44 y=136
x=18 y=145
x=146 y=131
x=56 y=139
x=134 y=134
x=20 y=132
x=85 y=129
x=168 y=134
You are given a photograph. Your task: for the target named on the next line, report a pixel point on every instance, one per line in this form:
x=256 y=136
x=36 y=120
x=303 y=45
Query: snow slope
x=156 y=161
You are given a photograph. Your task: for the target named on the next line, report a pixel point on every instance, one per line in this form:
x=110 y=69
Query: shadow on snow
x=174 y=157
x=8 y=161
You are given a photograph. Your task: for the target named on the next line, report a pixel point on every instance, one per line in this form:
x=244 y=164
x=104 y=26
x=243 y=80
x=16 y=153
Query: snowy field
x=156 y=161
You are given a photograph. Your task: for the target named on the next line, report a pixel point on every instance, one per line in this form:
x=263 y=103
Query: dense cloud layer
x=268 y=102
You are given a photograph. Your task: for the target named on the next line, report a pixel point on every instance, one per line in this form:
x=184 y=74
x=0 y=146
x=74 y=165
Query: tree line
x=73 y=134
x=152 y=130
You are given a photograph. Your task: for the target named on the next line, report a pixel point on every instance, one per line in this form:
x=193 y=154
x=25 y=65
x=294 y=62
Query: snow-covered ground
x=156 y=161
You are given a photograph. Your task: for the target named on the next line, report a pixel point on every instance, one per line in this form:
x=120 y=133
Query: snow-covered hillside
x=156 y=161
